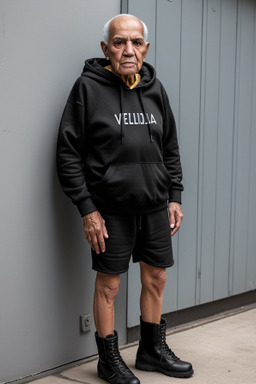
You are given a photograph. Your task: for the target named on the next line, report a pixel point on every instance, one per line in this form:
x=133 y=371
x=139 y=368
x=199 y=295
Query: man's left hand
x=175 y=217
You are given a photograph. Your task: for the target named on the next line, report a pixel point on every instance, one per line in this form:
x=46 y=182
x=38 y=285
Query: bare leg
x=106 y=289
x=153 y=281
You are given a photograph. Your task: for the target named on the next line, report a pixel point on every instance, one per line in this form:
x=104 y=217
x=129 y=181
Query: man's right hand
x=95 y=231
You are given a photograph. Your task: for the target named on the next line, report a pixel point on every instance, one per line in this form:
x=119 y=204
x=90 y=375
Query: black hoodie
x=117 y=147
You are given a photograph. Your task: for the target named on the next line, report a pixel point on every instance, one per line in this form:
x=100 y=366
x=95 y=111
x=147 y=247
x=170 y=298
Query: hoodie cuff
x=175 y=196
x=86 y=206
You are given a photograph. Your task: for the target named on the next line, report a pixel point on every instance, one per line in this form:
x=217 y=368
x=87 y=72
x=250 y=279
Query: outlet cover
x=85 y=323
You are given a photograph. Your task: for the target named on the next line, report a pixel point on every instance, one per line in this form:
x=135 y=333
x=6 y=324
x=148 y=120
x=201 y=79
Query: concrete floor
x=222 y=351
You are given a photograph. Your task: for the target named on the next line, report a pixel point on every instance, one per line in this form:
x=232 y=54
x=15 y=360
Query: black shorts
x=146 y=237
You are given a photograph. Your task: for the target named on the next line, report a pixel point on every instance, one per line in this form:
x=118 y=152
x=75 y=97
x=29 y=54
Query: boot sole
x=150 y=368
x=101 y=376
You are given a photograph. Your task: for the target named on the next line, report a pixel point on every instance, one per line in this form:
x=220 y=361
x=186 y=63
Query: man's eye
x=138 y=43
x=119 y=42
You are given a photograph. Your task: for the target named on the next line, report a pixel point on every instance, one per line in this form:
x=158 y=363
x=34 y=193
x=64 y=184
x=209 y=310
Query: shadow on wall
x=72 y=249
x=73 y=277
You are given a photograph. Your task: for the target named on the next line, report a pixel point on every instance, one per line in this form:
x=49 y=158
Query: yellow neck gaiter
x=131 y=81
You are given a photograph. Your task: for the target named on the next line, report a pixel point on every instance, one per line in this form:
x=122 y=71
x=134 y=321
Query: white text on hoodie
x=135 y=118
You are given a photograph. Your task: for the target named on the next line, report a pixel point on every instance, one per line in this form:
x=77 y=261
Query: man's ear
x=104 y=48
x=146 y=51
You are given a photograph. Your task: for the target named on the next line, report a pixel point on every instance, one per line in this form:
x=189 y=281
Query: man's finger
x=95 y=245
x=172 y=220
x=105 y=231
x=102 y=244
x=175 y=229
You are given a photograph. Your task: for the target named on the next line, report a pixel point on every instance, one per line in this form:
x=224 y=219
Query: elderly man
x=118 y=160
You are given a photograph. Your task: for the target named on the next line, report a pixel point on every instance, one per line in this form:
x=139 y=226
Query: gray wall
x=45 y=266
x=204 y=53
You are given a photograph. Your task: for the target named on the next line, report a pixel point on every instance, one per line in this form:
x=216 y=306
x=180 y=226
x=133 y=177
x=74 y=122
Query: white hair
x=107 y=25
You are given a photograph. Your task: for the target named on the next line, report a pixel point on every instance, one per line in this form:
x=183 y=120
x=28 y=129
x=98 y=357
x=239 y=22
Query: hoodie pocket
x=134 y=184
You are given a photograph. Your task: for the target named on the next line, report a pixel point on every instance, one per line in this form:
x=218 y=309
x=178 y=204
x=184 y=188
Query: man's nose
x=129 y=51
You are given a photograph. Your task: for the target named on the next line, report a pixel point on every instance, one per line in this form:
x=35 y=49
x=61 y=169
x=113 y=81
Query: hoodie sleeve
x=71 y=153
x=171 y=152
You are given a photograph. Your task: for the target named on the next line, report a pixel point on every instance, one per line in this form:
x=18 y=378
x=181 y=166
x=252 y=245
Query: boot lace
x=116 y=359
x=164 y=346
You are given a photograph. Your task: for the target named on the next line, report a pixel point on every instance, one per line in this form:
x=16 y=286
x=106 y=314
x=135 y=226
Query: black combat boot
x=111 y=366
x=154 y=354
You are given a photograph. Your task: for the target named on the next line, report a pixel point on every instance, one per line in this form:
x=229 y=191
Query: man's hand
x=175 y=217
x=95 y=231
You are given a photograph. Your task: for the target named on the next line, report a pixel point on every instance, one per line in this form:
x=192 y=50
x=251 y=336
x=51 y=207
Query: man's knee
x=154 y=280
x=161 y=277
x=159 y=280
x=108 y=286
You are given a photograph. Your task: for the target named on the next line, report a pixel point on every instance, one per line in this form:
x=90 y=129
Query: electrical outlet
x=85 y=323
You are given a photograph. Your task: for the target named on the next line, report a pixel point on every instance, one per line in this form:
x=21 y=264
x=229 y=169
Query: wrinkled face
x=126 y=47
